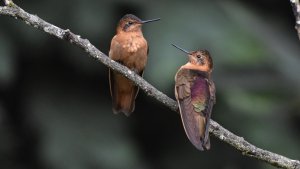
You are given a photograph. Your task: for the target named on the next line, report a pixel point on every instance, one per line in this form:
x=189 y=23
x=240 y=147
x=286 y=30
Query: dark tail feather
x=124 y=103
x=123 y=93
x=208 y=116
x=207 y=144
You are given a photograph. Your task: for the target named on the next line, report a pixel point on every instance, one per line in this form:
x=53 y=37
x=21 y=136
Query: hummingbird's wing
x=212 y=90
x=192 y=91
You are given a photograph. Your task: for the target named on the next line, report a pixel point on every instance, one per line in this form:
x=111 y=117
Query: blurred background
x=55 y=105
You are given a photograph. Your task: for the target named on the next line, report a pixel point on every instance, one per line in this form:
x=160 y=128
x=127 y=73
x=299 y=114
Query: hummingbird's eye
x=198 y=56
x=130 y=23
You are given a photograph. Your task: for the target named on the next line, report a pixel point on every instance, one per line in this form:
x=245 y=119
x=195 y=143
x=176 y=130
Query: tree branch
x=217 y=130
x=296 y=9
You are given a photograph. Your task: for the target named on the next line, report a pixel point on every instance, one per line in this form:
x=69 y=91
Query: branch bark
x=296 y=9
x=217 y=130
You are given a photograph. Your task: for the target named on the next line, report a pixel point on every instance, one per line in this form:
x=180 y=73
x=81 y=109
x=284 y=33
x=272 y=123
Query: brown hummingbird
x=129 y=48
x=195 y=94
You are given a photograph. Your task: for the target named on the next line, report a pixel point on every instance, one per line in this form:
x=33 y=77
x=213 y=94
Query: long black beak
x=183 y=50
x=151 y=20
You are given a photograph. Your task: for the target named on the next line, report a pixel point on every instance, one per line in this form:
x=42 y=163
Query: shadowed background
x=55 y=106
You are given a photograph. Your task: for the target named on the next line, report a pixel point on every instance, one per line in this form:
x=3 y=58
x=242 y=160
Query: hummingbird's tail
x=124 y=102
x=123 y=92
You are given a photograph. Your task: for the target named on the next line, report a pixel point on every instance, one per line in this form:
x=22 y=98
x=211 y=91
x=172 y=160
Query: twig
x=217 y=130
x=296 y=10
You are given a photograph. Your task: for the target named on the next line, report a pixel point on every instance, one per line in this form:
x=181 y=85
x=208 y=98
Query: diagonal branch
x=217 y=130
x=296 y=9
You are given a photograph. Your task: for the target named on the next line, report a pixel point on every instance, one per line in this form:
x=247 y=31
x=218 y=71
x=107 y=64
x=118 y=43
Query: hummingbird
x=129 y=48
x=195 y=94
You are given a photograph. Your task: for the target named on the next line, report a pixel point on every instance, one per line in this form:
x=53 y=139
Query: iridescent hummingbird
x=195 y=94
x=128 y=47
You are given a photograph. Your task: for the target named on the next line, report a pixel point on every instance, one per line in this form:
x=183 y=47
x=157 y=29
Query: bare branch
x=250 y=150
x=296 y=10
x=217 y=130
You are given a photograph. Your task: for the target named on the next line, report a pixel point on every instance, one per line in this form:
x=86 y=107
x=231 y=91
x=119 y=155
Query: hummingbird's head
x=131 y=23
x=199 y=58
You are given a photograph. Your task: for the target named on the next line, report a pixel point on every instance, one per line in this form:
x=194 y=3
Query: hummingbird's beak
x=151 y=20
x=183 y=50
